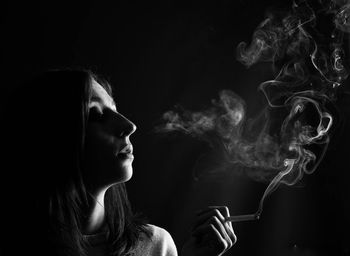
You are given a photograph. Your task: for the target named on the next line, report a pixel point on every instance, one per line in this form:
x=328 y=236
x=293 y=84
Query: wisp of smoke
x=309 y=67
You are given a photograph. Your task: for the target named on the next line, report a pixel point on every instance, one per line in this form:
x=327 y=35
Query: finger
x=218 y=243
x=203 y=217
x=219 y=226
x=212 y=239
x=207 y=218
x=209 y=208
x=221 y=213
x=223 y=209
x=223 y=228
x=225 y=212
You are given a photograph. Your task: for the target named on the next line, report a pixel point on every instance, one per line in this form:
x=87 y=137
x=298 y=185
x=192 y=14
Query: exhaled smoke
x=279 y=144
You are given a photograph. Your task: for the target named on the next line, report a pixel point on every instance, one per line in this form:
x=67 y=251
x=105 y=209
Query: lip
x=127 y=149
x=126 y=156
x=126 y=152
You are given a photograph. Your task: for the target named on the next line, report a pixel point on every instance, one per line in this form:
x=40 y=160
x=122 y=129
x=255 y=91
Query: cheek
x=102 y=158
x=101 y=143
x=99 y=150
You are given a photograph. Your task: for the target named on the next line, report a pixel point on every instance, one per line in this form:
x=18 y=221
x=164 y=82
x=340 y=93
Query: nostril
x=121 y=134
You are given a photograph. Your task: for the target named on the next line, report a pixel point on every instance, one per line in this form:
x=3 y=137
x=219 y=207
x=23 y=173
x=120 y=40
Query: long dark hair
x=43 y=134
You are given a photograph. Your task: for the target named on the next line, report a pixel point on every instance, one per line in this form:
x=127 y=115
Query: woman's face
x=108 y=153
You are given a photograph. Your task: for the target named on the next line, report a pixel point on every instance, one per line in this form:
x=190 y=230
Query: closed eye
x=98 y=115
x=95 y=114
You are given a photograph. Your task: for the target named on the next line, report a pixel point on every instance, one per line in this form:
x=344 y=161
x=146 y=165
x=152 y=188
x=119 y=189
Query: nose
x=124 y=126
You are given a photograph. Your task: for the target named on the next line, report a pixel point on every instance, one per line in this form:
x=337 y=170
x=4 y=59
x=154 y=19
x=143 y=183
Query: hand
x=211 y=235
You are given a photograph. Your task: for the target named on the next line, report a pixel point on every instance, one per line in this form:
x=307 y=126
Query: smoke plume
x=289 y=137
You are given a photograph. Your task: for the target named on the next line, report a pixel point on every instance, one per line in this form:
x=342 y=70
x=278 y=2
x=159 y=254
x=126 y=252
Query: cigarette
x=239 y=218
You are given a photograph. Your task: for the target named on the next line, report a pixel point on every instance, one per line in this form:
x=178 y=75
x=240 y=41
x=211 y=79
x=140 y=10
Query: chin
x=124 y=172
x=127 y=175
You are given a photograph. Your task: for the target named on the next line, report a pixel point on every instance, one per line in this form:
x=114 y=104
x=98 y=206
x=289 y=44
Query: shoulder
x=159 y=234
x=158 y=243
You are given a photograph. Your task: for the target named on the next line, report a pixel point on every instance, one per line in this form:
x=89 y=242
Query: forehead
x=99 y=95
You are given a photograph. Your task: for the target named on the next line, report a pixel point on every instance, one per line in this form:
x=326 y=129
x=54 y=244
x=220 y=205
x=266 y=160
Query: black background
x=160 y=54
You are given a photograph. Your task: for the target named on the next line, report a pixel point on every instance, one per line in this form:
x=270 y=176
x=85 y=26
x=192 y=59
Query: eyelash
x=95 y=115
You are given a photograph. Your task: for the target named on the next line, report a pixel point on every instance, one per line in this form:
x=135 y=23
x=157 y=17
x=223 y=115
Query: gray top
x=160 y=243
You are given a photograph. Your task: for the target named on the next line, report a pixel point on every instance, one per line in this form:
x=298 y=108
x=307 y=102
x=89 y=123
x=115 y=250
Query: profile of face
x=108 y=152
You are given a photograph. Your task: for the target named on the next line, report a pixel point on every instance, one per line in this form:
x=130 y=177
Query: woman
x=68 y=155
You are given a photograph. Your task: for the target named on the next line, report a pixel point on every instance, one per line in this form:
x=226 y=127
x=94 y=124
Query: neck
x=96 y=213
